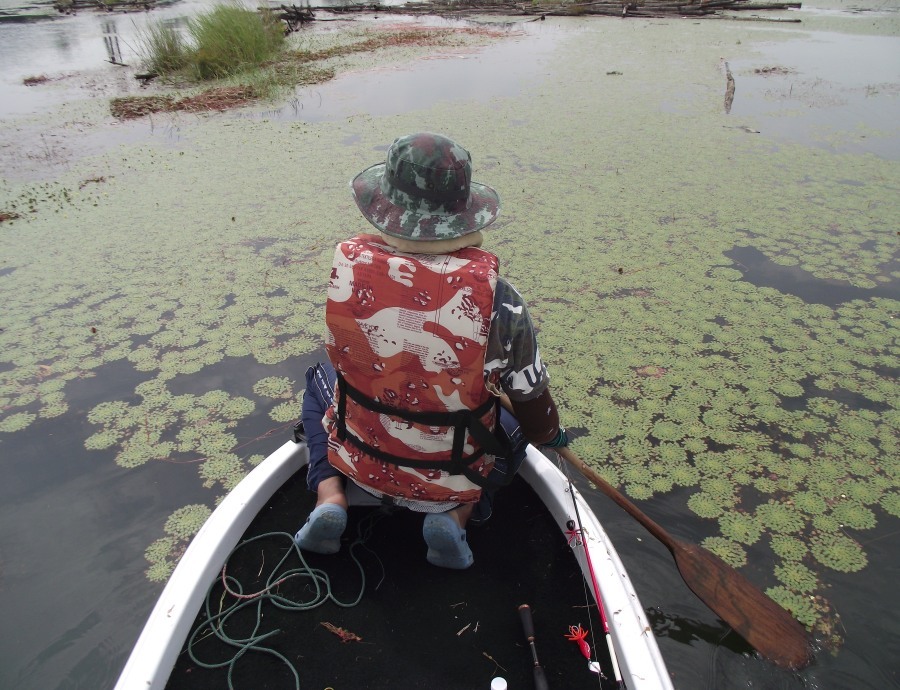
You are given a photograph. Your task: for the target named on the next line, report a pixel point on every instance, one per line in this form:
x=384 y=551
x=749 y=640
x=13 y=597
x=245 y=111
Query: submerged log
x=72 y=6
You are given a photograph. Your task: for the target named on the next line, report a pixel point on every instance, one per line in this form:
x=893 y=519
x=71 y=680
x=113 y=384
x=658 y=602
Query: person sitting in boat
x=424 y=336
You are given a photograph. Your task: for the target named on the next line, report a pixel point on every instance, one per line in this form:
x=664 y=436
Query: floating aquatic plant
x=720 y=419
x=780 y=518
x=801 y=450
x=891 y=503
x=741 y=527
x=694 y=445
x=639 y=492
x=826 y=523
x=665 y=430
x=671 y=453
x=810 y=502
x=788 y=547
x=139 y=429
x=705 y=505
x=636 y=474
x=274 y=387
x=800 y=606
x=627 y=394
x=186 y=521
x=856 y=426
x=16 y=422
x=865 y=492
x=634 y=449
x=853 y=514
x=811 y=424
x=102 y=439
x=766 y=485
x=160 y=550
x=838 y=551
x=738 y=459
x=728 y=550
x=226 y=469
x=682 y=411
x=797 y=577
x=826 y=470
x=286 y=411
x=661 y=484
x=719 y=487
x=771 y=414
x=160 y=571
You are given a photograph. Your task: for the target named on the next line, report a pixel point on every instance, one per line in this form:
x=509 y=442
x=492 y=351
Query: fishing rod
x=765 y=625
x=774 y=633
x=582 y=537
x=576 y=635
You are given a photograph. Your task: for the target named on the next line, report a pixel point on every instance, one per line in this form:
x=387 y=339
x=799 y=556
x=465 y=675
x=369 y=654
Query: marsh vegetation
x=223 y=41
x=232 y=56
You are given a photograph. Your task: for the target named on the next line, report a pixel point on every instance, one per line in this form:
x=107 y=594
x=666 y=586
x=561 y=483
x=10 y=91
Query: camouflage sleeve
x=512 y=360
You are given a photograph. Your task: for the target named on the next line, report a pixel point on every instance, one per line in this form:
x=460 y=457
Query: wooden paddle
x=771 y=630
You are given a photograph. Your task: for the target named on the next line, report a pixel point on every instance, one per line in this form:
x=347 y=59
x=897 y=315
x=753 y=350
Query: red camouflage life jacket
x=407 y=335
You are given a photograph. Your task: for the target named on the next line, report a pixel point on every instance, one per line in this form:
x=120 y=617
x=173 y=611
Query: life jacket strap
x=461 y=421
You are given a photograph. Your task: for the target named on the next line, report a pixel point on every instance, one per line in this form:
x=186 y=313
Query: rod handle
x=527 y=621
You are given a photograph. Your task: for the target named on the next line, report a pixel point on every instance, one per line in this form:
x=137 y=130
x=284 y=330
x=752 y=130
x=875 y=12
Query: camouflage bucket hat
x=424 y=191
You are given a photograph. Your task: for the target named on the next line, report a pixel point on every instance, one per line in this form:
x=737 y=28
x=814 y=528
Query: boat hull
x=168 y=627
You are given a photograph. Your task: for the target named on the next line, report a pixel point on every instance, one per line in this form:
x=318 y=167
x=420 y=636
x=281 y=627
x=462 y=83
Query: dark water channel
x=73 y=525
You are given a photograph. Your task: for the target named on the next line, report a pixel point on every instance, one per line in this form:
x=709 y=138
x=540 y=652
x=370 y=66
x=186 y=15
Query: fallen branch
x=293 y=15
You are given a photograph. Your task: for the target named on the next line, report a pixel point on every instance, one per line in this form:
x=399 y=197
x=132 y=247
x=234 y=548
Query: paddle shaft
x=662 y=535
x=540 y=680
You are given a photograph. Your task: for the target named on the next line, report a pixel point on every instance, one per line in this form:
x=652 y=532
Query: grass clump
x=231 y=38
x=221 y=42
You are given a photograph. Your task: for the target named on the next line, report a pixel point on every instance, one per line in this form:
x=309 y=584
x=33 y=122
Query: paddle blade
x=771 y=630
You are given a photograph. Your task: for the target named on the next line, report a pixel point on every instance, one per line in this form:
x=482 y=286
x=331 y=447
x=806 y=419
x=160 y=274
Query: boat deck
x=420 y=626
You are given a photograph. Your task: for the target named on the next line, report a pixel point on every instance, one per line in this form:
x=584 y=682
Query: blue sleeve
x=317 y=398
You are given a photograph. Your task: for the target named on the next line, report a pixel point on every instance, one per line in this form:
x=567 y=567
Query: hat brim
x=429 y=220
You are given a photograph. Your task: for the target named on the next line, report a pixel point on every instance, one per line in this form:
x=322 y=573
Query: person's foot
x=447 y=545
x=323 y=529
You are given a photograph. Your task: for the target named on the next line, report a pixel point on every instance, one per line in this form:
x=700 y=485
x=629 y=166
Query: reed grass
x=165 y=49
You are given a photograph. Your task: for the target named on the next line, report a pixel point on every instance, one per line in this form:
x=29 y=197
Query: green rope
x=319 y=580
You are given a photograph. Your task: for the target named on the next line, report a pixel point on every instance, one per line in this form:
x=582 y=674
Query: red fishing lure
x=577 y=634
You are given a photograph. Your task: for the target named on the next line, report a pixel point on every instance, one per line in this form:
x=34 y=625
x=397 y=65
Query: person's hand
x=561 y=440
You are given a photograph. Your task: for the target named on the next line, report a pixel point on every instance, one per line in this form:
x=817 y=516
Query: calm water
x=73 y=525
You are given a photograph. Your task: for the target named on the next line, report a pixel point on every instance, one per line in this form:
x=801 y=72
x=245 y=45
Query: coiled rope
x=315 y=580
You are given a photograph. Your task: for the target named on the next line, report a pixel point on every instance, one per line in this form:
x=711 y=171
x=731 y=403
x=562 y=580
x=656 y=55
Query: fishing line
x=582 y=535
